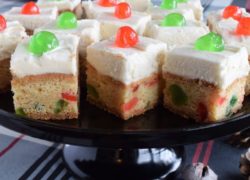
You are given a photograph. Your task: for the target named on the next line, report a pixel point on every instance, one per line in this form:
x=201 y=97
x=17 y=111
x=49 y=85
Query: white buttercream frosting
x=63 y=59
x=32 y=22
x=176 y=36
x=158 y=13
x=218 y=68
x=87 y=30
x=138 y=5
x=126 y=65
x=62 y=5
x=110 y=24
x=226 y=28
x=195 y=5
x=92 y=9
x=9 y=38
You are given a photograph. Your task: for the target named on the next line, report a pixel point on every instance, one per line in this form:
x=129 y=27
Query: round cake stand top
x=95 y=127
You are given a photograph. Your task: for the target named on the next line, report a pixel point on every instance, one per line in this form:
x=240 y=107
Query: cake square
x=63 y=5
x=110 y=24
x=45 y=86
x=195 y=5
x=159 y=13
x=175 y=36
x=13 y=33
x=87 y=30
x=226 y=27
x=203 y=85
x=125 y=81
x=31 y=21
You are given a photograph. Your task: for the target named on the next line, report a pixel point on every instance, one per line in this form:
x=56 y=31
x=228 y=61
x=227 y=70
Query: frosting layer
x=87 y=30
x=127 y=65
x=9 y=39
x=195 y=5
x=31 y=22
x=63 y=59
x=218 y=68
x=227 y=27
x=110 y=24
x=62 y=5
x=176 y=36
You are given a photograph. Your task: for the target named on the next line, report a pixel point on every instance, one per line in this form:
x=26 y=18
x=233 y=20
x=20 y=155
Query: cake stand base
x=123 y=163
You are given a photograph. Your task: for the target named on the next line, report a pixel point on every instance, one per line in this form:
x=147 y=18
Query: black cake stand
x=102 y=146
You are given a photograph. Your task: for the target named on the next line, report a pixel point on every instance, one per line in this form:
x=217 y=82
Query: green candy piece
x=174 y=19
x=178 y=95
x=67 y=20
x=233 y=101
x=20 y=112
x=169 y=4
x=92 y=91
x=42 y=42
x=210 y=42
x=182 y=1
x=60 y=106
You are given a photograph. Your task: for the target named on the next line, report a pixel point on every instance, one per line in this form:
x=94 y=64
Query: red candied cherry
x=122 y=10
x=30 y=8
x=221 y=100
x=69 y=97
x=243 y=27
x=234 y=12
x=131 y=104
x=107 y=3
x=2 y=23
x=126 y=37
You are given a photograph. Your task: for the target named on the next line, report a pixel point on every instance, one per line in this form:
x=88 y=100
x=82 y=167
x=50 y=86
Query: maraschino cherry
x=122 y=10
x=30 y=8
x=2 y=23
x=126 y=37
x=107 y=3
x=243 y=27
x=234 y=12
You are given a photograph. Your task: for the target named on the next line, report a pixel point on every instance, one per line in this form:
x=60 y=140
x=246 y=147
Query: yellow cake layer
x=38 y=96
x=5 y=76
x=203 y=101
x=248 y=81
x=116 y=97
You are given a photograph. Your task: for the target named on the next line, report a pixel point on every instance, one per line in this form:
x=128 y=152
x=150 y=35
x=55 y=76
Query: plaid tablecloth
x=23 y=157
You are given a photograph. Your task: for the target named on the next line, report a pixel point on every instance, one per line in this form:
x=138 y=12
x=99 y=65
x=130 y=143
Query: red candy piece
x=30 y=8
x=107 y=3
x=243 y=27
x=221 y=100
x=232 y=11
x=2 y=23
x=122 y=10
x=131 y=104
x=69 y=97
x=126 y=37
x=202 y=111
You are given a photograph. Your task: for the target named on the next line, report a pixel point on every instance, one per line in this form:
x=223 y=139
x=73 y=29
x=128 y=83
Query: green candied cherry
x=67 y=20
x=233 y=101
x=92 y=91
x=169 y=4
x=42 y=42
x=20 y=112
x=60 y=106
x=174 y=19
x=210 y=42
x=179 y=97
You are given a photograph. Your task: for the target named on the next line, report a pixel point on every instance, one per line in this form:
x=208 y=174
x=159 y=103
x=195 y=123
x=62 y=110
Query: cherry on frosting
x=107 y=3
x=30 y=8
x=2 y=23
x=243 y=27
x=126 y=37
x=234 y=12
x=122 y=10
